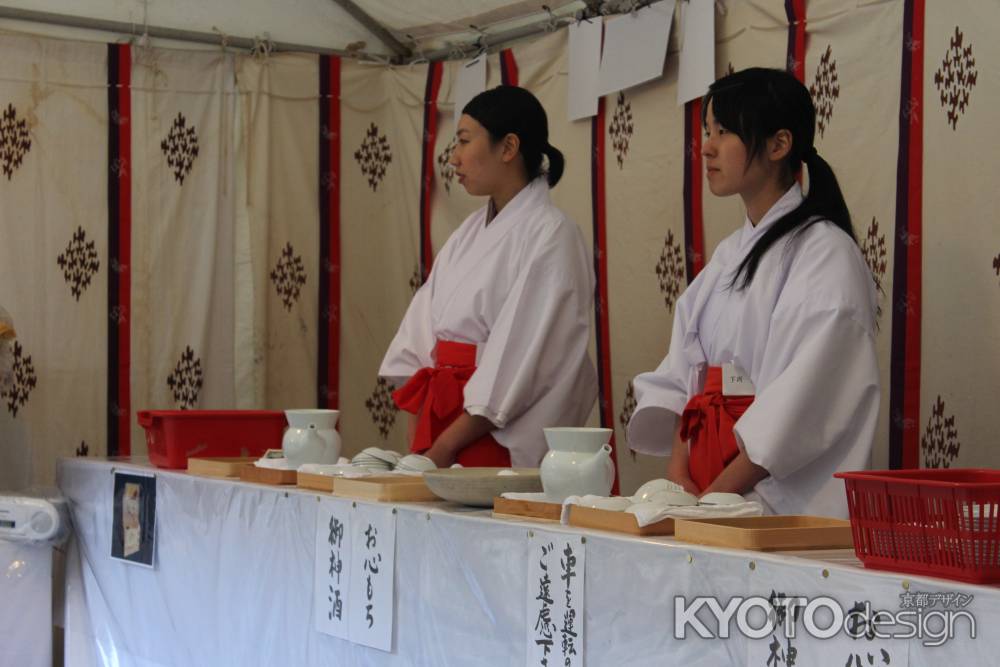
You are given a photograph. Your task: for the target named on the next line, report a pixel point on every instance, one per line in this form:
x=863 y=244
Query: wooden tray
x=310 y=480
x=526 y=509
x=228 y=466
x=252 y=473
x=384 y=488
x=619 y=522
x=768 y=533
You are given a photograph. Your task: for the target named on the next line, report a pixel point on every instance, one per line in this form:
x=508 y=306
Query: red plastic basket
x=172 y=436
x=939 y=522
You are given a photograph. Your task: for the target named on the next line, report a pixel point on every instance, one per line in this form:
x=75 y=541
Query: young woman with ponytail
x=494 y=346
x=786 y=303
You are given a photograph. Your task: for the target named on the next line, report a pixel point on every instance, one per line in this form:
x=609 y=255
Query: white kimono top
x=520 y=289
x=805 y=331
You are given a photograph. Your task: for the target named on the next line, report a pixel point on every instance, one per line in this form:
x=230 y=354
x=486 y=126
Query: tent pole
x=124 y=28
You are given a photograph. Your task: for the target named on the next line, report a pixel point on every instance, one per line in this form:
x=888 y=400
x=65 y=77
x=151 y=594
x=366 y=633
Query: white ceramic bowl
x=718 y=498
x=644 y=492
x=416 y=462
x=479 y=486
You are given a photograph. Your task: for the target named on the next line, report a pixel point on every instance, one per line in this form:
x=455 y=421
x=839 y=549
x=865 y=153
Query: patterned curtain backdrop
x=959 y=364
x=382 y=115
x=53 y=252
x=751 y=34
x=277 y=249
x=450 y=203
x=852 y=69
x=644 y=145
x=183 y=108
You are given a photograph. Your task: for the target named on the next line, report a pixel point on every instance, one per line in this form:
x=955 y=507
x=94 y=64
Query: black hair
x=512 y=110
x=755 y=104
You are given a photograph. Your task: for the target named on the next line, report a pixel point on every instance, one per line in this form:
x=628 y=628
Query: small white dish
x=417 y=462
x=644 y=492
x=718 y=498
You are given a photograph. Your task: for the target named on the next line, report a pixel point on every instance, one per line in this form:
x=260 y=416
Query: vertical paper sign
x=556 y=573
x=696 y=71
x=584 y=68
x=470 y=80
x=373 y=564
x=333 y=568
x=635 y=47
x=133 y=523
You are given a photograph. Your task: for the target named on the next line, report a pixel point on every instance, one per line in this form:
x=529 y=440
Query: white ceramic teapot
x=311 y=437
x=578 y=463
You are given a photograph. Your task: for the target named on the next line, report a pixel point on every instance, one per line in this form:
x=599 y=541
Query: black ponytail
x=556 y=164
x=755 y=104
x=512 y=110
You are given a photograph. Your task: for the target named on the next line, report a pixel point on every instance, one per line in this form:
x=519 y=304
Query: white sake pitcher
x=311 y=437
x=578 y=463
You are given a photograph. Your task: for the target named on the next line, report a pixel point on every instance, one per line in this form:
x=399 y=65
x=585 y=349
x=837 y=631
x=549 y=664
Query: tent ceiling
x=392 y=25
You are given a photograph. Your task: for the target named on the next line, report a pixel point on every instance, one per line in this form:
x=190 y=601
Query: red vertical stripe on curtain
x=599 y=199
x=904 y=392
x=795 y=10
x=328 y=372
x=694 y=226
x=508 y=68
x=434 y=74
x=119 y=249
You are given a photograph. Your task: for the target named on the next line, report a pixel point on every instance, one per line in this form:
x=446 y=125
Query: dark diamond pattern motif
x=445 y=169
x=874 y=251
x=956 y=78
x=415 y=280
x=180 y=147
x=382 y=408
x=288 y=276
x=825 y=90
x=186 y=380
x=374 y=156
x=23 y=381
x=996 y=265
x=940 y=442
x=15 y=141
x=628 y=407
x=83 y=449
x=621 y=129
x=670 y=271
x=79 y=263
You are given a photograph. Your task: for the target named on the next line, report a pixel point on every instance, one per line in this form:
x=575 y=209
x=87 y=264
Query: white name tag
x=735 y=382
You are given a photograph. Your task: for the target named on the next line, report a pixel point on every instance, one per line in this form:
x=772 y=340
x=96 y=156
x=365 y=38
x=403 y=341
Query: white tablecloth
x=234 y=578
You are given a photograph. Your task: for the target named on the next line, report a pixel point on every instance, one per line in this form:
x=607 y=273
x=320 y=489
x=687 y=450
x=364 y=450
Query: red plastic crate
x=172 y=436
x=936 y=522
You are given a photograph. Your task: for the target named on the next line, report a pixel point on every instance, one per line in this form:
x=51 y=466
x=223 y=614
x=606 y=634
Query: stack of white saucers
x=376 y=460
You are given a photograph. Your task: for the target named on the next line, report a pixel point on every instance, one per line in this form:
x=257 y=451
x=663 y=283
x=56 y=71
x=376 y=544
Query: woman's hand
x=677 y=467
x=460 y=434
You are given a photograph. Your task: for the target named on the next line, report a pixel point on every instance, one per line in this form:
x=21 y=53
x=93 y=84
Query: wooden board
x=384 y=488
x=309 y=480
x=227 y=466
x=526 y=509
x=257 y=475
x=768 y=533
x=619 y=522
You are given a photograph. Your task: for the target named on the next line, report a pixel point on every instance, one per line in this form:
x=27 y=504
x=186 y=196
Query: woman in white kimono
x=494 y=346
x=771 y=381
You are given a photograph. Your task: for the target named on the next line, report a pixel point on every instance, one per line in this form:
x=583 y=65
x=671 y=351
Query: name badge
x=735 y=382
